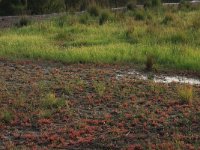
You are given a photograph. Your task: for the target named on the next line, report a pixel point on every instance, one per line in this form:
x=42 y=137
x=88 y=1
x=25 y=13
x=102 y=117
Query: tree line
x=22 y=7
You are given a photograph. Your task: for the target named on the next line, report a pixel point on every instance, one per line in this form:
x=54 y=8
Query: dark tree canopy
x=19 y=7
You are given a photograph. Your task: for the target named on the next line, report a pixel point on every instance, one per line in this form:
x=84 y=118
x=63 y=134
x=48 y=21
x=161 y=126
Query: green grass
x=67 y=39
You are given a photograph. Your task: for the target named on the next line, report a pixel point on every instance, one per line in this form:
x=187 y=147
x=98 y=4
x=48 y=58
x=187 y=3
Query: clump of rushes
x=132 y=5
x=130 y=36
x=24 y=21
x=184 y=4
x=152 y=3
x=129 y=32
x=139 y=16
x=104 y=17
x=196 y=24
x=61 y=21
x=149 y=62
x=84 y=19
x=168 y=18
x=185 y=93
x=94 y=10
x=6 y=116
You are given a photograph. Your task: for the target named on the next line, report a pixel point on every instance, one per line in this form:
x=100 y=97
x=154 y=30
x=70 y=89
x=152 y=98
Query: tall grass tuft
x=149 y=62
x=139 y=15
x=185 y=93
x=168 y=19
x=104 y=17
x=84 y=19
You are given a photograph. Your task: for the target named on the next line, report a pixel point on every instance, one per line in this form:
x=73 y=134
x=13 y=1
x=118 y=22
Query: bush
x=12 y=7
x=46 y=6
x=156 y=3
x=104 y=17
x=147 y=3
x=184 y=4
x=152 y=3
x=24 y=21
x=132 y=5
x=139 y=15
x=94 y=11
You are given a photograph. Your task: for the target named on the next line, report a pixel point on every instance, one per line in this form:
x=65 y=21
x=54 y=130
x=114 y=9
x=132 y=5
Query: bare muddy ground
x=62 y=106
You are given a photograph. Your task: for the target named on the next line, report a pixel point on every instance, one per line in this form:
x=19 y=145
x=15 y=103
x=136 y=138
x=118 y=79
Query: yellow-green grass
x=173 y=45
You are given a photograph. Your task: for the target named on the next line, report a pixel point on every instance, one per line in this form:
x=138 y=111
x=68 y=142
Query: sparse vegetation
x=6 y=116
x=100 y=88
x=50 y=101
x=100 y=108
x=185 y=93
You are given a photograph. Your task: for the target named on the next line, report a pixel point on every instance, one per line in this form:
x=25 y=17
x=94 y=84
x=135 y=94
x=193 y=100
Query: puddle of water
x=178 y=79
x=161 y=78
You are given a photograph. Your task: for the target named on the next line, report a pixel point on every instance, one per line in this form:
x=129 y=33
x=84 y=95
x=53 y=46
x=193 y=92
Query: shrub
x=185 y=93
x=147 y=3
x=104 y=17
x=139 y=15
x=24 y=21
x=46 y=6
x=184 y=4
x=152 y=3
x=156 y=3
x=132 y=5
x=94 y=11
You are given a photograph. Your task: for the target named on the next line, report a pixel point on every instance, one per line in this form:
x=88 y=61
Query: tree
x=12 y=7
x=46 y=6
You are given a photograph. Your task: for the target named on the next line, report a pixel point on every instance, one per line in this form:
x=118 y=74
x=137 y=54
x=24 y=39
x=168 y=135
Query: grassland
x=170 y=36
